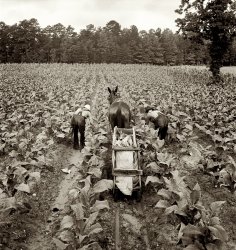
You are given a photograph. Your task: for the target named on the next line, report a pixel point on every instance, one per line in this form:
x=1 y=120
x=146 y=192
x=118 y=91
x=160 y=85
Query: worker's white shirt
x=86 y=114
x=153 y=113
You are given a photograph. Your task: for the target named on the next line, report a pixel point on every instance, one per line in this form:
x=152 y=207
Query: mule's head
x=113 y=94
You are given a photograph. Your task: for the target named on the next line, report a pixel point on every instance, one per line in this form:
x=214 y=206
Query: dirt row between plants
x=36 y=230
x=54 y=197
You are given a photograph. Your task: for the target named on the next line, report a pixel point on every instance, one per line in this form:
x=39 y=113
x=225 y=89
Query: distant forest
x=27 y=42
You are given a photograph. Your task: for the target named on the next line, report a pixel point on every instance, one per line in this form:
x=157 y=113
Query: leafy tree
x=152 y=50
x=3 y=42
x=28 y=42
x=169 y=46
x=113 y=27
x=230 y=58
x=213 y=21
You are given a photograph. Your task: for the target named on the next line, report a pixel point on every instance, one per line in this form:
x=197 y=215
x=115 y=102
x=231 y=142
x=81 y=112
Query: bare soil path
x=53 y=197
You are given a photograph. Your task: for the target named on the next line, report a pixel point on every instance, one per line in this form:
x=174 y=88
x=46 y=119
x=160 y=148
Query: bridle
x=113 y=97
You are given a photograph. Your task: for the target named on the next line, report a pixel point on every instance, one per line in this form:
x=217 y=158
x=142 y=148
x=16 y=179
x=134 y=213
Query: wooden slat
x=127 y=131
x=127 y=172
x=117 y=148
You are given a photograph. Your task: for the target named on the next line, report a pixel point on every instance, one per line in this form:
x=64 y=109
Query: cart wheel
x=138 y=195
x=116 y=194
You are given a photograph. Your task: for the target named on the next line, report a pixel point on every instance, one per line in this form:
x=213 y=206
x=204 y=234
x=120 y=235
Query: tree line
x=27 y=42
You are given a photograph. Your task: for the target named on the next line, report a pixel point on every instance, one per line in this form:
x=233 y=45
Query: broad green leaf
x=102 y=185
x=8 y=202
x=189 y=127
x=231 y=160
x=13 y=154
x=195 y=155
x=195 y=194
x=162 y=204
x=67 y=222
x=180 y=212
x=171 y=209
x=211 y=246
x=96 y=171
x=93 y=229
x=73 y=194
x=87 y=185
x=219 y=232
x=153 y=165
x=164 y=193
x=2 y=146
x=82 y=237
x=102 y=131
x=99 y=205
x=23 y=187
x=191 y=247
x=78 y=210
x=67 y=236
x=217 y=138
x=159 y=143
x=199 y=207
x=168 y=183
x=94 y=160
x=216 y=206
x=41 y=136
x=180 y=233
x=94 y=246
x=59 y=244
x=225 y=178
x=153 y=179
x=191 y=230
x=20 y=170
x=215 y=221
x=90 y=221
x=180 y=137
x=180 y=113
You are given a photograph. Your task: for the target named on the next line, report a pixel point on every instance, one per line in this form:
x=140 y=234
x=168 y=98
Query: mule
x=119 y=112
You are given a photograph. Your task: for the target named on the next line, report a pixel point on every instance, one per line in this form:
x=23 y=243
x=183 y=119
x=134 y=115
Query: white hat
x=87 y=106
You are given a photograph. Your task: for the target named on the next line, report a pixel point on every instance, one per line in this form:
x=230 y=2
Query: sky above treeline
x=144 y=14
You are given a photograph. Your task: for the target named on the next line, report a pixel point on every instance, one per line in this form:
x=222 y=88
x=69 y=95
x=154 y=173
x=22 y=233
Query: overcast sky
x=145 y=14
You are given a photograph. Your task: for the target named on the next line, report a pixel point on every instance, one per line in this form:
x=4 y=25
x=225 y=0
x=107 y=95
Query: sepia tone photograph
x=117 y=125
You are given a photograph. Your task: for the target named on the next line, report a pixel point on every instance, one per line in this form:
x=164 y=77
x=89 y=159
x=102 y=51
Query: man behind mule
x=159 y=119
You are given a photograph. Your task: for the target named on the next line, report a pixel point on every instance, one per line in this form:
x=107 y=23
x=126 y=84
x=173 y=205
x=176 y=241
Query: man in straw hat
x=78 y=123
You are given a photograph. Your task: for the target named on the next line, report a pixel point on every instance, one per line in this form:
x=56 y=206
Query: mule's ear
x=109 y=90
x=116 y=88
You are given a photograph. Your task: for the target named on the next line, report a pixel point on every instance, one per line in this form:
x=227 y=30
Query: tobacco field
x=54 y=197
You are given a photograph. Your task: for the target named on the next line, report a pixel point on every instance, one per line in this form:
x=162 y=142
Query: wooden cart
x=126 y=168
